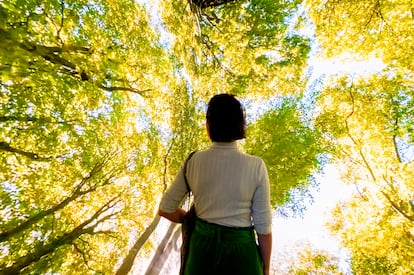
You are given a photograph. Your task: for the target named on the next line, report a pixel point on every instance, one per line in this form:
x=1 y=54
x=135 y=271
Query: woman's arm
x=265 y=247
x=176 y=216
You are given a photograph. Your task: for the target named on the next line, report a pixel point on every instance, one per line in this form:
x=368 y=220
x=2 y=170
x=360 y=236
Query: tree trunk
x=164 y=249
x=126 y=266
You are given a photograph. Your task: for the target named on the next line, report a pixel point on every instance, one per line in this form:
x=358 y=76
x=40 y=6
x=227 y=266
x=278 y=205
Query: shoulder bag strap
x=185 y=171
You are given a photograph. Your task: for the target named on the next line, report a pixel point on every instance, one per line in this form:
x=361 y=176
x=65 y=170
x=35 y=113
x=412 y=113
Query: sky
x=311 y=227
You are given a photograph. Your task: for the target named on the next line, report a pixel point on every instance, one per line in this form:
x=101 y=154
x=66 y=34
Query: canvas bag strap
x=185 y=172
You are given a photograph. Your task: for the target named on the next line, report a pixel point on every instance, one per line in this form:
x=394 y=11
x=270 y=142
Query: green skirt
x=216 y=249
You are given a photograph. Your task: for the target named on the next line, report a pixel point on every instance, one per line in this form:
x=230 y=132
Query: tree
x=373 y=133
x=370 y=123
x=366 y=28
x=98 y=113
x=291 y=149
x=72 y=82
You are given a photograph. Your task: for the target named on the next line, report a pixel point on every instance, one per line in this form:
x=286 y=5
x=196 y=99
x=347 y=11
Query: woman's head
x=225 y=118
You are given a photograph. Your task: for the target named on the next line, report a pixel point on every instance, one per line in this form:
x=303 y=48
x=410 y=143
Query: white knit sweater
x=230 y=188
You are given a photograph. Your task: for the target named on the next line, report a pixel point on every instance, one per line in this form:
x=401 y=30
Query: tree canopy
x=370 y=121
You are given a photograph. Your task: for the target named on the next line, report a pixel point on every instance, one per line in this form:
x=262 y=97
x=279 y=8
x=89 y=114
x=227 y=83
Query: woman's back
x=228 y=186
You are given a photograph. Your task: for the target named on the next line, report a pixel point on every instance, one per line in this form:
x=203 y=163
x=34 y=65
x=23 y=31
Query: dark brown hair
x=225 y=118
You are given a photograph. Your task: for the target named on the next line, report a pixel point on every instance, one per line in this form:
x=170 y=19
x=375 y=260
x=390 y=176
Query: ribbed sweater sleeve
x=174 y=194
x=261 y=209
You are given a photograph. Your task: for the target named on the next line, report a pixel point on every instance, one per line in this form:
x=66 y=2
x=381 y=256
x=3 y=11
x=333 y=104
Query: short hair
x=225 y=118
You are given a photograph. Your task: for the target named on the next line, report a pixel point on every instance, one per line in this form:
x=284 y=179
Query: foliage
x=370 y=121
x=74 y=168
x=290 y=148
x=303 y=258
x=243 y=47
x=375 y=116
x=98 y=111
x=366 y=28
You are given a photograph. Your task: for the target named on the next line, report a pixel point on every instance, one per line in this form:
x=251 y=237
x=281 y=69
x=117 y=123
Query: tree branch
x=354 y=141
x=49 y=53
x=397 y=152
x=202 y=4
x=394 y=141
x=164 y=180
x=111 y=203
x=67 y=238
x=377 y=10
x=62 y=6
x=362 y=195
x=205 y=40
x=4 y=146
x=129 y=89
x=397 y=208
x=84 y=256
x=5 y=235
x=34 y=119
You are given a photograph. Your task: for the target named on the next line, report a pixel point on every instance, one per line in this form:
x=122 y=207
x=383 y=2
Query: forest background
x=101 y=101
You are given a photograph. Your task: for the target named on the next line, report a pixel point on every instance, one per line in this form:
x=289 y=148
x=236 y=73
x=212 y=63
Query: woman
x=231 y=197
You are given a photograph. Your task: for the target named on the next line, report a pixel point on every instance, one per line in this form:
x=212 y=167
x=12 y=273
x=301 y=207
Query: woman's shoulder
x=253 y=158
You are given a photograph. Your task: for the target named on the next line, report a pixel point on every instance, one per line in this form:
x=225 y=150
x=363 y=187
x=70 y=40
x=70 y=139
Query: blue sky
x=311 y=227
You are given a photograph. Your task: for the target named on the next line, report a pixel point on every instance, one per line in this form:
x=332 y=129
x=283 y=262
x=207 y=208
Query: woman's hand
x=176 y=216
